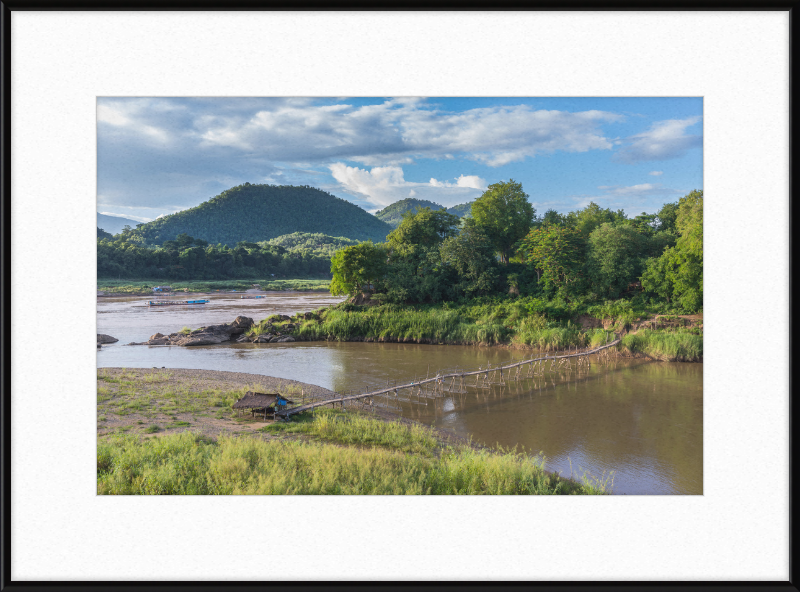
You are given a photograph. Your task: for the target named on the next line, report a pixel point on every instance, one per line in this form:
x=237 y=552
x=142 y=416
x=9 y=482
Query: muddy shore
x=134 y=400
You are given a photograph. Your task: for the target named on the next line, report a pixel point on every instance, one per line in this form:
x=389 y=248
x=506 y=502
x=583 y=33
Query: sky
x=157 y=156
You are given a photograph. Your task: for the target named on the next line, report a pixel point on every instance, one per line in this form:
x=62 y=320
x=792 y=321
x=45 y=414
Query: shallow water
x=641 y=419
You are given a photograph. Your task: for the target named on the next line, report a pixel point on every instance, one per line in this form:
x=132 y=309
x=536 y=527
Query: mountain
x=461 y=210
x=114 y=224
x=393 y=214
x=261 y=212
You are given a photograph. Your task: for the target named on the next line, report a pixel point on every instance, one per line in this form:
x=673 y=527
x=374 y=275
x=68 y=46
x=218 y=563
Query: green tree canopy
x=614 y=258
x=471 y=256
x=592 y=216
x=425 y=228
x=556 y=253
x=677 y=274
x=357 y=266
x=505 y=215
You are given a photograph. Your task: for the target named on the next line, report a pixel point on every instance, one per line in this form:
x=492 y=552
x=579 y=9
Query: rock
x=203 y=339
x=160 y=341
x=242 y=322
x=156 y=336
x=284 y=339
x=101 y=338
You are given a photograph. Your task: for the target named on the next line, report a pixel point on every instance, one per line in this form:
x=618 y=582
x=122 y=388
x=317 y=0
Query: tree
x=471 y=256
x=355 y=266
x=425 y=228
x=615 y=258
x=592 y=216
x=505 y=215
x=552 y=217
x=556 y=253
x=677 y=274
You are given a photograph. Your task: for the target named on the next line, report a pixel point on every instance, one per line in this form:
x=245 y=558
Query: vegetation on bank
x=588 y=256
x=146 y=286
x=186 y=257
x=339 y=454
x=522 y=322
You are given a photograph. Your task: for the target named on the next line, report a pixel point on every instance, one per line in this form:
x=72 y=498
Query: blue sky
x=157 y=156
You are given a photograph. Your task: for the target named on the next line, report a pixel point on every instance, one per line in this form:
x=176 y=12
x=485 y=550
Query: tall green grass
x=386 y=324
x=461 y=325
x=357 y=429
x=187 y=464
x=668 y=346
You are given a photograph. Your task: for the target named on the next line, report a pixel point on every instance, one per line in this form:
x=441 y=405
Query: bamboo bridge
x=536 y=366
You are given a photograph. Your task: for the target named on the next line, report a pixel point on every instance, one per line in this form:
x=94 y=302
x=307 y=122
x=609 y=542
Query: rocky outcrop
x=102 y=339
x=204 y=336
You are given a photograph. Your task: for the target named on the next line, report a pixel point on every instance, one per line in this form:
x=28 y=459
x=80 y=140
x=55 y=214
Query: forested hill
x=461 y=210
x=261 y=212
x=114 y=224
x=393 y=214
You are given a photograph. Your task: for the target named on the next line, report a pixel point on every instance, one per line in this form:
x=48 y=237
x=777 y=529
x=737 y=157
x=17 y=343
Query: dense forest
x=254 y=213
x=393 y=214
x=295 y=255
x=589 y=255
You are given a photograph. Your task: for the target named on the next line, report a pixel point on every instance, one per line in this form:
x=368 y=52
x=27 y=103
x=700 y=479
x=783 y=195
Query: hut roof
x=252 y=399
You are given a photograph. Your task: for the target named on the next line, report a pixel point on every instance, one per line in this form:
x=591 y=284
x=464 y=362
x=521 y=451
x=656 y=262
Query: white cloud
x=383 y=186
x=663 y=141
x=398 y=131
x=632 y=190
x=123 y=115
x=656 y=173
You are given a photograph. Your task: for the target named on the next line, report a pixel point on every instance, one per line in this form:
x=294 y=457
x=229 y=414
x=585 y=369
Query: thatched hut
x=265 y=403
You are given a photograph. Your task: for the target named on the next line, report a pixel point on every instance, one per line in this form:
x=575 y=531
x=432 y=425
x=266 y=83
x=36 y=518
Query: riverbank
x=174 y=431
x=111 y=287
x=660 y=337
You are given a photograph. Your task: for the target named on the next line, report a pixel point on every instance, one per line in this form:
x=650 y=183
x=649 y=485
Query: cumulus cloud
x=663 y=141
x=383 y=186
x=656 y=173
x=399 y=131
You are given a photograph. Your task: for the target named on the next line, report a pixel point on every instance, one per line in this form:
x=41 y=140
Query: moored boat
x=175 y=302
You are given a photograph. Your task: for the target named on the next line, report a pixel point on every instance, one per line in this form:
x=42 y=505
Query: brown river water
x=641 y=419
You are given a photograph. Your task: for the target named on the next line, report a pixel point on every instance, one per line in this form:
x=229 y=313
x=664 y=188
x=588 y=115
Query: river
x=641 y=419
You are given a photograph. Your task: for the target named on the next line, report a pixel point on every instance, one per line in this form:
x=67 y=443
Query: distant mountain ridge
x=256 y=213
x=393 y=213
x=114 y=224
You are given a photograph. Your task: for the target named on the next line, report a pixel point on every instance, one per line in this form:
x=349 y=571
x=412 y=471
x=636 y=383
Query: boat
x=175 y=302
x=251 y=296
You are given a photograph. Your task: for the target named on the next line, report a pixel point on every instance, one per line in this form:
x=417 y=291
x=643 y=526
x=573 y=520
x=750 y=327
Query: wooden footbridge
x=536 y=367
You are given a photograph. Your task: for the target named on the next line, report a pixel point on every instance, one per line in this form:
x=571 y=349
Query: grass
x=669 y=346
x=138 y=286
x=345 y=428
x=186 y=463
x=460 y=325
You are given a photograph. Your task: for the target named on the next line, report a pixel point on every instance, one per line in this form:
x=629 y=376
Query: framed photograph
x=363 y=283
